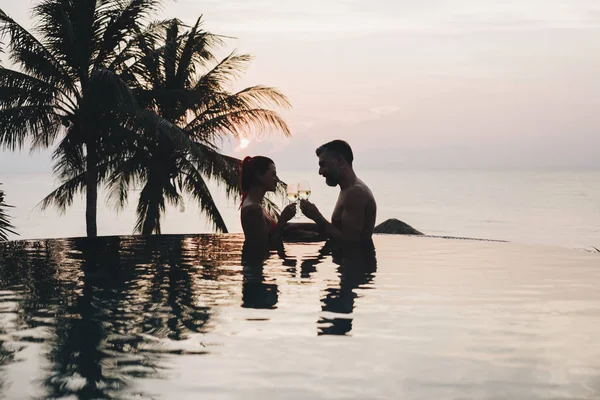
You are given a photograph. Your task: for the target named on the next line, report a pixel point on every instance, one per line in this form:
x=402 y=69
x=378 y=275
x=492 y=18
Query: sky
x=428 y=84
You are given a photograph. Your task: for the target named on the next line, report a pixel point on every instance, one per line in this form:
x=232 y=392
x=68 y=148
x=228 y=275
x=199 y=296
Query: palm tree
x=5 y=226
x=179 y=78
x=68 y=89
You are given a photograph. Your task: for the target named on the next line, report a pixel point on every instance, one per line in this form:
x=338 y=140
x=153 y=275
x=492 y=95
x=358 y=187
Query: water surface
x=179 y=317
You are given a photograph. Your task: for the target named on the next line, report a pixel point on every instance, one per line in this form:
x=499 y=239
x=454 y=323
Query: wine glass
x=304 y=190
x=292 y=194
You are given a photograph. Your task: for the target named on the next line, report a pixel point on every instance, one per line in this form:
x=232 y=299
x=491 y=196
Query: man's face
x=329 y=168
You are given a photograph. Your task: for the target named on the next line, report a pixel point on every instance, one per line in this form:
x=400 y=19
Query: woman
x=258 y=177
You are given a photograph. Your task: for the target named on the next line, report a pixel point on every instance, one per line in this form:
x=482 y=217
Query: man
x=353 y=218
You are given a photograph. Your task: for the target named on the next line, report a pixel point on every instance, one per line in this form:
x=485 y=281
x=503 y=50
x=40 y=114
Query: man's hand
x=310 y=210
x=288 y=213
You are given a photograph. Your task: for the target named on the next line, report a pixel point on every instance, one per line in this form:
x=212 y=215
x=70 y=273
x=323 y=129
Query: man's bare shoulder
x=366 y=189
x=359 y=193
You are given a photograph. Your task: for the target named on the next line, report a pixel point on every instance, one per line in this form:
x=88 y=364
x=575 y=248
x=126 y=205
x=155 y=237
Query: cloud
x=384 y=110
x=348 y=118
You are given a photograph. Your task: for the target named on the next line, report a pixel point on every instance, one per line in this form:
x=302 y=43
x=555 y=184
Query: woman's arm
x=286 y=214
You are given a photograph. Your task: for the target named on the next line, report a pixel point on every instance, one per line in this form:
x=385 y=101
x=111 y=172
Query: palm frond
x=146 y=68
x=177 y=100
x=32 y=56
x=123 y=19
x=62 y=197
x=237 y=124
x=29 y=108
x=222 y=169
x=69 y=29
x=137 y=50
x=197 y=51
x=109 y=93
x=171 y=51
x=269 y=205
x=256 y=96
x=194 y=184
x=69 y=167
x=229 y=68
x=18 y=123
x=68 y=156
x=5 y=226
x=236 y=113
x=271 y=208
x=119 y=187
x=127 y=172
x=18 y=89
x=155 y=127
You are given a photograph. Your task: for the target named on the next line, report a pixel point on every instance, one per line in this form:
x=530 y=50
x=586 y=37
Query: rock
x=397 y=227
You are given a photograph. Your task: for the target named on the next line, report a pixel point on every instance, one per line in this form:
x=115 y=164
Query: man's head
x=335 y=158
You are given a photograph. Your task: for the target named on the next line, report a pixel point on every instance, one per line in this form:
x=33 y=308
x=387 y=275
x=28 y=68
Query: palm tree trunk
x=152 y=220
x=150 y=205
x=149 y=222
x=91 y=198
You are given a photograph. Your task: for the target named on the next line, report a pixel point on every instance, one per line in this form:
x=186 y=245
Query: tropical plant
x=178 y=78
x=5 y=226
x=66 y=89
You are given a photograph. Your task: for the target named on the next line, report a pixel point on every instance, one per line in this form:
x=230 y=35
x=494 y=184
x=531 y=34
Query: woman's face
x=269 y=179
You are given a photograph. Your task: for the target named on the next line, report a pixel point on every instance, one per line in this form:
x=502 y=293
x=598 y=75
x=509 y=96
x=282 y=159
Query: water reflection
x=356 y=267
x=169 y=317
x=101 y=300
x=256 y=291
x=107 y=311
x=77 y=348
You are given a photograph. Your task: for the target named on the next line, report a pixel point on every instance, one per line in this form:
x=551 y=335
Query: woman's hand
x=288 y=213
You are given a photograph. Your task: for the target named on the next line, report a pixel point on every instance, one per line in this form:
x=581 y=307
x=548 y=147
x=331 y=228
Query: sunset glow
x=244 y=142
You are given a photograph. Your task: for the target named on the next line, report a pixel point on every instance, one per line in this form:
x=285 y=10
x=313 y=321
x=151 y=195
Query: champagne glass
x=292 y=195
x=304 y=190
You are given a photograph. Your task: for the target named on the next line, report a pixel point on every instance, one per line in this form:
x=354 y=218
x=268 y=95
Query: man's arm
x=353 y=217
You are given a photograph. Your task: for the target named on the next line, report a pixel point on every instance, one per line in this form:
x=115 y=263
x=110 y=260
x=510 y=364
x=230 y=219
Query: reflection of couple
x=357 y=265
x=353 y=217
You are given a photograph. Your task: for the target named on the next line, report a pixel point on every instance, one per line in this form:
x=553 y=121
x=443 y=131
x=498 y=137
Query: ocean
x=549 y=207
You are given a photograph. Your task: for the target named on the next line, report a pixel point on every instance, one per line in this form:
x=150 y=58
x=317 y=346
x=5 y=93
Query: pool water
x=179 y=317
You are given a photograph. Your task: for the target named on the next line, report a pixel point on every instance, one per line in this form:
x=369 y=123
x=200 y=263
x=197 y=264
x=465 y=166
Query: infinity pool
x=178 y=317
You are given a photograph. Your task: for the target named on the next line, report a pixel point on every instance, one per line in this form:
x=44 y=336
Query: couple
x=353 y=217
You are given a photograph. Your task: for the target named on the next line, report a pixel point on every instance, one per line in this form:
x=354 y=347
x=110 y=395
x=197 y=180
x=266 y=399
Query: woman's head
x=258 y=171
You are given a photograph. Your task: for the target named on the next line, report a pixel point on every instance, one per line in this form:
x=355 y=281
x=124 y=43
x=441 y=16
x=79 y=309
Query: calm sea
x=544 y=207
